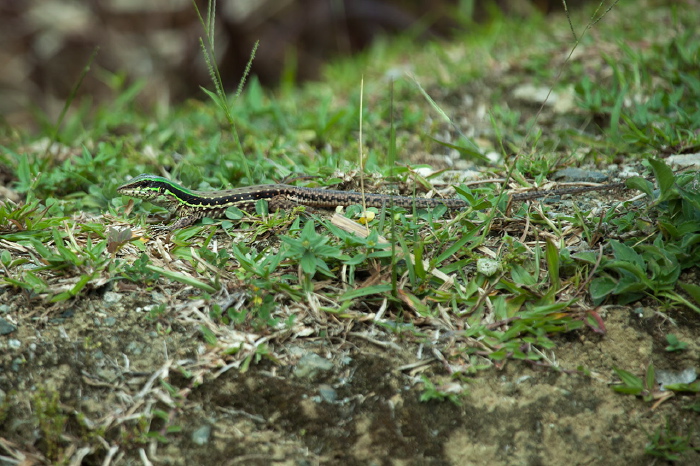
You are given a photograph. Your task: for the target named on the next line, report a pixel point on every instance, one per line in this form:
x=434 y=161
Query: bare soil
x=106 y=358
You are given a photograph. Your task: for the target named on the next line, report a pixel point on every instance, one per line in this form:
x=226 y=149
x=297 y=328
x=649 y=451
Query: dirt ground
x=358 y=404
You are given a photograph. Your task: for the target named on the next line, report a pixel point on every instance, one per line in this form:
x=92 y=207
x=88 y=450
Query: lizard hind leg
x=184 y=218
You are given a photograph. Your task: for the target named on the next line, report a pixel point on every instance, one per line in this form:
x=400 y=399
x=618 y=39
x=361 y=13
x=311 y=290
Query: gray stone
x=6 y=327
x=327 y=392
x=666 y=377
x=201 y=435
x=111 y=297
x=134 y=348
x=310 y=365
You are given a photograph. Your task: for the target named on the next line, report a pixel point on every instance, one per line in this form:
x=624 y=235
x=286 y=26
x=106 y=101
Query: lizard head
x=151 y=188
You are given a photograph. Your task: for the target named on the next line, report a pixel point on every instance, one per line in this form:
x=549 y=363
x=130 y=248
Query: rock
x=328 y=394
x=310 y=365
x=6 y=327
x=201 y=436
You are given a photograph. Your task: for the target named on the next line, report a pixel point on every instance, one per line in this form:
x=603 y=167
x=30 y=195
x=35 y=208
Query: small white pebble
x=488 y=267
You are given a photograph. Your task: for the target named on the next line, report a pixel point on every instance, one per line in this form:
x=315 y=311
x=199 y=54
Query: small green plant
x=667 y=444
x=261 y=264
x=139 y=272
x=695 y=407
x=311 y=250
x=117 y=238
x=674 y=344
x=449 y=393
x=24 y=220
x=156 y=312
x=261 y=352
x=633 y=385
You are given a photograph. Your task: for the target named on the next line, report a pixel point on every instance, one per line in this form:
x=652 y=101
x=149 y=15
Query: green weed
x=432 y=392
x=633 y=385
x=674 y=344
x=667 y=444
x=653 y=269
